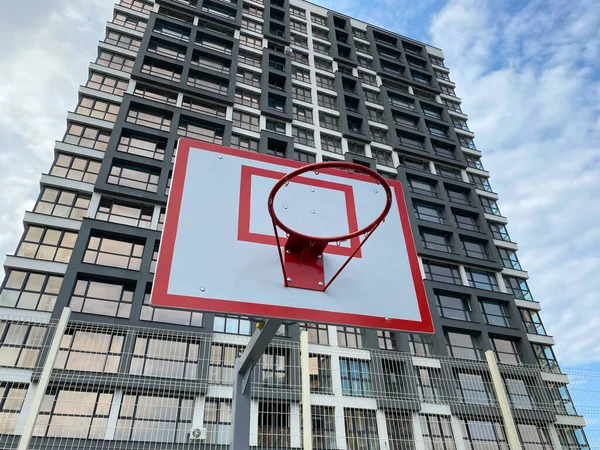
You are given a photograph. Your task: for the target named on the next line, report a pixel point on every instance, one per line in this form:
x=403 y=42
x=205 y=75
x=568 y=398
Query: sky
x=528 y=76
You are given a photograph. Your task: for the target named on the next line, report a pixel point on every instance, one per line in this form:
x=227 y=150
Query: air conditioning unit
x=198 y=434
x=288 y=50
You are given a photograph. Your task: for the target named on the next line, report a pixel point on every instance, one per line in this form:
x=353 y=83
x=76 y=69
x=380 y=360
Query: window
x=300 y=93
x=167 y=50
x=448 y=172
x=208 y=83
x=136 y=178
x=47 y=244
x=422 y=187
x=534 y=437
x=325 y=82
x=453 y=306
x=533 y=322
x=298 y=40
x=251 y=41
x=572 y=438
x=114 y=61
x=276 y=102
x=304 y=157
x=329 y=121
x=248 y=77
x=74 y=414
x=203 y=131
x=356 y=148
x=365 y=62
x=326 y=101
x=105 y=299
x=222 y=46
x=509 y=259
x=276 y=127
x=273 y=425
x=175 y=15
x=157 y=95
x=466 y=142
x=480 y=182
x=430 y=213
x=433 y=240
x=350 y=337
x=361 y=429
x=323 y=64
x=116 y=211
x=372 y=96
x=217 y=420
x=484 y=435
x=244 y=143
x=62 y=203
x=375 y=115
x=220 y=65
x=104 y=251
x=474 y=249
x=518 y=288
x=482 y=279
x=218 y=10
x=386 y=339
x=98 y=109
x=251 y=25
x=428 y=384
x=506 y=351
x=153 y=118
x=453 y=106
x=562 y=399
x=12 y=397
x=410 y=141
x=517 y=393
x=447 y=90
x=303 y=136
x=106 y=83
x=162 y=70
x=323 y=427
x=145 y=418
x=245 y=121
x=545 y=357
x=445 y=273
x=466 y=221
x=420 y=344
x=367 y=78
x=90 y=351
x=319 y=20
x=166 y=315
x=319 y=367
x=300 y=57
x=302 y=114
x=222 y=363
x=474 y=389
x=317 y=332
x=458 y=196
x=320 y=33
x=297 y=12
x=30 y=290
x=20 y=344
x=495 y=313
x=172 y=31
x=463 y=345
x=252 y=10
x=155 y=357
x=298 y=26
x=443 y=150
x=499 y=231
x=392 y=377
x=437 y=432
x=274 y=367
x=405 y=120
x=86 y=136
x=300 y=74
x=415 y=164
x=122 y=40
x=379 y=135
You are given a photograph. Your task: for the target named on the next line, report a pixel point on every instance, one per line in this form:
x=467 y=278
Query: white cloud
x=527 y=75
x=44 y=57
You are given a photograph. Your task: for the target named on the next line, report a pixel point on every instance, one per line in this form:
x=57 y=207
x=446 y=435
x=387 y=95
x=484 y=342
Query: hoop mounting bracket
x=303 y=263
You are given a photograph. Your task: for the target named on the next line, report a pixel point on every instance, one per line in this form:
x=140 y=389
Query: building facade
x=291 y=79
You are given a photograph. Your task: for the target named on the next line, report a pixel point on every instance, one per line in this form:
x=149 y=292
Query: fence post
x=509 y=421
x=42 y=384
x=305 y=376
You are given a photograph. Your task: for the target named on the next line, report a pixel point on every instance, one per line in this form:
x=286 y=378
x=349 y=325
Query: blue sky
x=528 y=76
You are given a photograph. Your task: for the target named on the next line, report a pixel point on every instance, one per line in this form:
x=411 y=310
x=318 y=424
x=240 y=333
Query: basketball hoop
x=302 y=258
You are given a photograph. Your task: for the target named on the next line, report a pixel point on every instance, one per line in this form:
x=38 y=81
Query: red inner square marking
x=244 y=233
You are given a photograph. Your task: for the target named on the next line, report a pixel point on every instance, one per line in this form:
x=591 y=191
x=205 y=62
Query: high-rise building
x=292 y=79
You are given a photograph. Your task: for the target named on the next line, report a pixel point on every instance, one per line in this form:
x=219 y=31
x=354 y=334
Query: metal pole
x=509 y=422
x=306 y=407
x=42 y=384
x=242 y=384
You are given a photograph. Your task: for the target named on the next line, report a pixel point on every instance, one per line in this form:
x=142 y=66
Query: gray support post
x=42 y=385
x=306 y=406
x=242 y=384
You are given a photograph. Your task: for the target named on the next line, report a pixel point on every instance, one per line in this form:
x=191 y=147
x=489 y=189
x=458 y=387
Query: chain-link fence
x=134 y=387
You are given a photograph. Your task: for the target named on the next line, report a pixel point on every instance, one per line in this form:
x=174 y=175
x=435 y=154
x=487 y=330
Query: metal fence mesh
x=133 y=387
